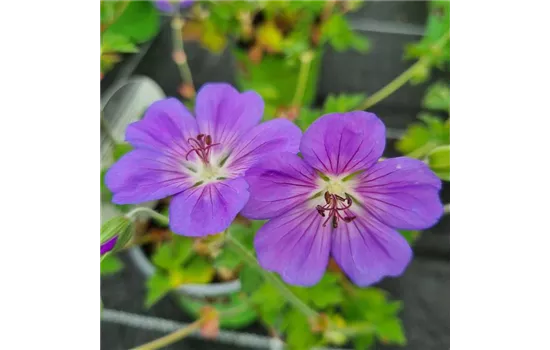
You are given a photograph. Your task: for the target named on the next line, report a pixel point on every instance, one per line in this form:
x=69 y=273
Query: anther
x=334 y=205
x=201 y=145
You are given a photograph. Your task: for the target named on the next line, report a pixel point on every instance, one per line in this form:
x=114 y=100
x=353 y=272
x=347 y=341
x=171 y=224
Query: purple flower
x=338 y=200
x=202 y=161
x=108 y=245
x=168 y=6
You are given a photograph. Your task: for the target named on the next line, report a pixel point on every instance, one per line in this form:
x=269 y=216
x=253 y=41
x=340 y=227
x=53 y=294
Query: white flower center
x=336 y=185
x=208 y=173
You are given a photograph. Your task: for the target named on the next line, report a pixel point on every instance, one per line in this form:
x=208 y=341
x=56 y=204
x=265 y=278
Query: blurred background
x=141 y=77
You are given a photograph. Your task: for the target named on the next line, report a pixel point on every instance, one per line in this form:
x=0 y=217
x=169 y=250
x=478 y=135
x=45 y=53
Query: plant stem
x=172 y=337
x=447 y=208
x=178 y=50
x=287 y=293
x=401 y=80
x=305 y=63
x=106 y=130
x=391 y=87
x=163 y=219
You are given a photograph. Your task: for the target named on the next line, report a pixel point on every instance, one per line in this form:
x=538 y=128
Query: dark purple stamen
x=334 y=205
x=201 y=145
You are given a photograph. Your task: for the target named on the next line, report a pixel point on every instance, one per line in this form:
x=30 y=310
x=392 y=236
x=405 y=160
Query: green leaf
x=438 y=97
x=307 y=117
x=174 y=253
x=360 y=43
x=298 y=330
x=114 y=42
x=110 y=9
x=337 y=32
x=363 y=341
x=437 y=26
x=342 y=103
x=276 y=71
x=121 y=149
x=244 y=234
x=224 y=14
x=421 y=139
x=250 y=278
x=110 y=264
x=269 y=303
x=295 y=44
x=391 y=331
x=158 y=286
x=416 y=136
x=371 y=306
x=410 y=236
x=113 y=227
x=335 y=337
x=212 y=39
x=269 y=36
x=228 y=259
x=439 y=161
x=139 y=22
x=327 y=292
x=107 y=11
x=106 y=195
x=198 y=271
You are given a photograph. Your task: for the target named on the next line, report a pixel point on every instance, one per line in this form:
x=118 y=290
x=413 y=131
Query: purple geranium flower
x=108 y=245
x=200 y=161
x=168 y=6
x=338 y=200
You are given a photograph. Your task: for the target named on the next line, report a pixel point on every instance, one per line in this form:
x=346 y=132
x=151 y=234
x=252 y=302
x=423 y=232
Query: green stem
x=401 y=80
x=305 y=64
x=285 y=292
x=172 y=337
x=185 y=331
x=106 y=130
x=163 y=219
x=177 y=46
x=447 y=208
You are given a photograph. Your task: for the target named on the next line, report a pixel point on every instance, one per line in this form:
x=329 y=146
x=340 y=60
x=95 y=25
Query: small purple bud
x=108 y=245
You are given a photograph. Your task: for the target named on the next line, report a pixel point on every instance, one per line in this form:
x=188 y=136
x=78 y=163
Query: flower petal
x=278 y=183
x=143 y=175
x=343 y=143
x=295 y=245
x=225 y=114
x=207 y=209
x=368 y=251
x=402 y=193
x=166 y=126
x=278 y=135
